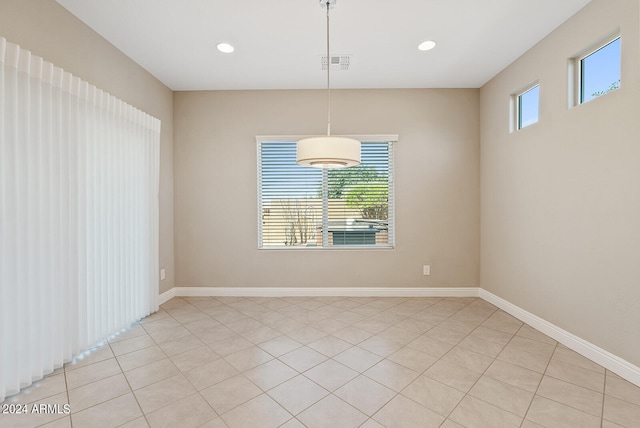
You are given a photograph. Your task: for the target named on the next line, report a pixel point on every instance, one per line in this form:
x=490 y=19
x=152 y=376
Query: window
x=599 y=71
x=302 y=207
x=528 y=107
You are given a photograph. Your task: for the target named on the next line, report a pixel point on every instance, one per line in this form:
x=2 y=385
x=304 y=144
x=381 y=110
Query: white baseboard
x=606 y=359
x=167 y=295
x=325 y=291
x=596 y=354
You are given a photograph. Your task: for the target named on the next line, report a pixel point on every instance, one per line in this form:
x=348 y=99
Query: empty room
x=320 y=213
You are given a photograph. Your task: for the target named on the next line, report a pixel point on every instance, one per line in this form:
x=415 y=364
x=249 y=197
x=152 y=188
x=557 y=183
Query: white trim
x=325 y=291
x=167 y=295
x=606 y=359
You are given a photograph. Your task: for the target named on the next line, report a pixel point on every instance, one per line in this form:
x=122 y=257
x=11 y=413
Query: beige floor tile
x=434 y=347
x=162 y=393
x=140 y=422
x=415 y=325
x=532 y=333
x=330 y=375
x=292 y=423
x=481 y=346
x=399 y=335
x=270 y=374
x=353 y=335
x=514 y=375
x=140 y=358
x=230 y=393
x=286 y=325
x=491 y=335
x=450 y=424
x=446 y=335
x=434 y=395
x=260 y=334
x=92 y=373
x=329 y=325
x=380 y=345
x=215 y=334
x=571 y=357
x=453 y=375
x=475 y=413
x=189 y=412
x=244 y=325
x=608 y=424
x=370 y=423
x=502 y=395
x=550 y=413
x=572 y=395
x=91 y=356
x=210 y=374
x=109 y=414
x=280 y=345
x=622 y=389
x=64 y=422
x=130 y=345
x=259 y=412
x=331 y=412
x=463 y=326
x=371 y=325
x=524 y=359
x=194 y=358
x=576 y=375
x=503 y=322
x=98 y=392
x=248 y=358
x=365 y=395
x=297 y=394
x=151 y=373
x=391 y=375
x=302 y=359
x=306 y=335
x=358 y=359
x=202 y=326
x=467 y=359
x=413 y=359
x=230 y=345
x=531 y=346
x=405 y=413
x=183 y=344
x=168 y=335
x=329 y=345
x=621 y=412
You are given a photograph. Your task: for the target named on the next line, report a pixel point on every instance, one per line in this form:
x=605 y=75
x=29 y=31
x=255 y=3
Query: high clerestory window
x=597 y=72
x=302 y=207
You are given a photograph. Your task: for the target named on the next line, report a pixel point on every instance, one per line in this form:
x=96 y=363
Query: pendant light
x=328 y=151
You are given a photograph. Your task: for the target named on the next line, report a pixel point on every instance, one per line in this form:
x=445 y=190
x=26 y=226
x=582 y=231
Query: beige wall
x=48 y=30
x=560 y=221
x=437 y=191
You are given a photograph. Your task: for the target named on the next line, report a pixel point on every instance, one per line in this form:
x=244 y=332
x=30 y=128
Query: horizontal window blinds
x=302 y=207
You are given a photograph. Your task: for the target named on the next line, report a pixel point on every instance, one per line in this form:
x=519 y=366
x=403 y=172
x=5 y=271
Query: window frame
x=392 y=139
x=576 y=72
x=516 y=107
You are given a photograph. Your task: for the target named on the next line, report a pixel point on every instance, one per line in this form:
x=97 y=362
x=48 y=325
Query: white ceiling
x=279 y=43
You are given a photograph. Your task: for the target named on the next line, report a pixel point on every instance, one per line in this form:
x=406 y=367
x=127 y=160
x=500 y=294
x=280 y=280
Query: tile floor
x=332 y=362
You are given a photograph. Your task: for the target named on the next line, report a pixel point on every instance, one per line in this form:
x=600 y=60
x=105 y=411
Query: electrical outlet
x=162 y=274
x=426 y=270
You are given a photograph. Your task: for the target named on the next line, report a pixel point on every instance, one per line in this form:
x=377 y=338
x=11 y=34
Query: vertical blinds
x=302 y=207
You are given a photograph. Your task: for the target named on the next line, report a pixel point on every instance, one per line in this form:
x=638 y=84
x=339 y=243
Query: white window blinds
x=301 y=207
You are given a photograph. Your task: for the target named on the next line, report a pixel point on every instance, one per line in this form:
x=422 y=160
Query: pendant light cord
x=328 y=78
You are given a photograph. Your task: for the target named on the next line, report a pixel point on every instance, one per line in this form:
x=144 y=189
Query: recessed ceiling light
x=225 y=47
x=427 y=45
